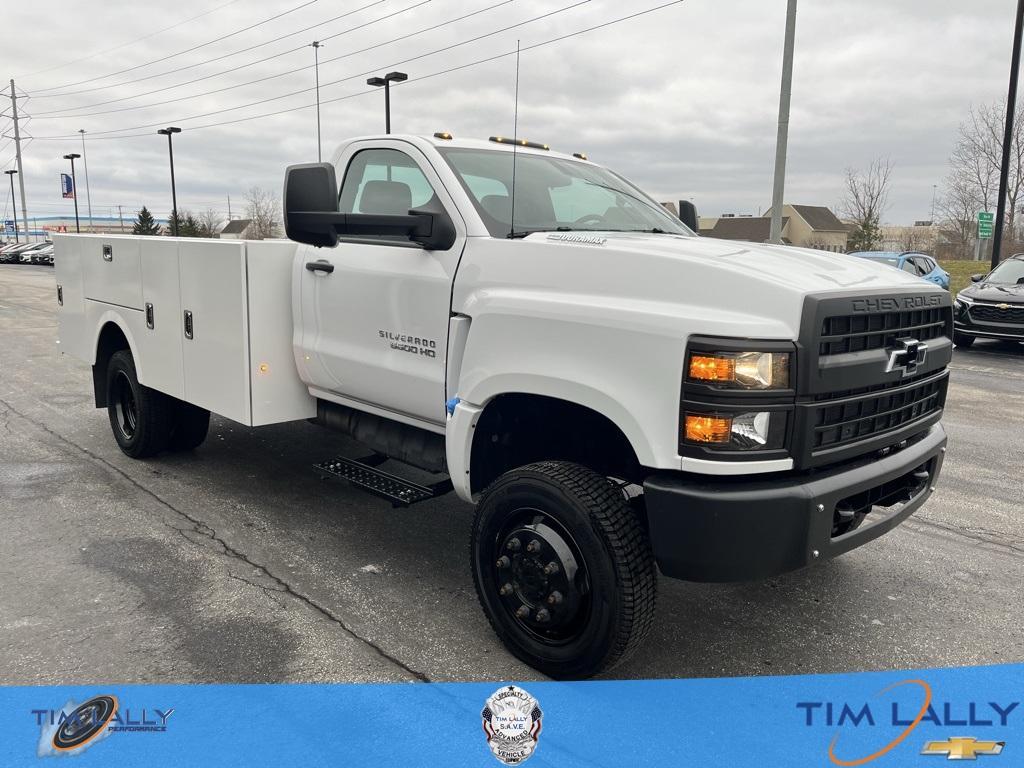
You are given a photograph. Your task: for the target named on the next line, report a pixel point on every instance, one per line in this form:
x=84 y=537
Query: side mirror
x=977 y=278
x=688 y=214
x=309 y=188
x=311 y=214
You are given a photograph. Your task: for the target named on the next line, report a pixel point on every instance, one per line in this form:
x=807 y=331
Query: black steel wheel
x=140 y=418
x=563 y=569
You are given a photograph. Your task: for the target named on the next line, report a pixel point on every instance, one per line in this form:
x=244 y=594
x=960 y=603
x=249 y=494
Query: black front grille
x=991 y=313
x=856 y=418
x=842 y=334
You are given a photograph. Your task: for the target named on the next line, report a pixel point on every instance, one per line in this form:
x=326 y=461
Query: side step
x=363 y=473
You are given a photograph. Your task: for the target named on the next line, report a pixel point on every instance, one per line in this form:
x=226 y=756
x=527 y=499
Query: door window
x=908 y=266
x=384 y=181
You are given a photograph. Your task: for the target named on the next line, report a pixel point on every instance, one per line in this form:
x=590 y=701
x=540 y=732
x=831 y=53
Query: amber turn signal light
x=707 y=429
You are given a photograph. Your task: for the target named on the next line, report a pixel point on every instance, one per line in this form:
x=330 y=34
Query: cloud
x=683 y=101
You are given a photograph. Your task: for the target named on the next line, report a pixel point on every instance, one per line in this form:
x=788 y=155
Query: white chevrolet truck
x=614 y=395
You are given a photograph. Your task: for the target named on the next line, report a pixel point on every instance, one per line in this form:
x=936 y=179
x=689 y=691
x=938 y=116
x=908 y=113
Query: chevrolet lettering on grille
x=907 y=355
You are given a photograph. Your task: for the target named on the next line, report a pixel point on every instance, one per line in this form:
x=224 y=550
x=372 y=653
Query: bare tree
x=209 y=223
x=264 y=209
x=973 y=181
x=865 y=199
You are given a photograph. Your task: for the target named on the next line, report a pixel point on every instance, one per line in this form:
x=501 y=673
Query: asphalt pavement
x=236 y=563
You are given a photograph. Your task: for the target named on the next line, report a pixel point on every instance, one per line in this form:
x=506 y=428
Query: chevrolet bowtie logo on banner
x=67 y=187
x=963 y=748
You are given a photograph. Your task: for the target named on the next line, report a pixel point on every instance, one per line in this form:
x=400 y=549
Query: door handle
x=320 y=266
x=188 y=324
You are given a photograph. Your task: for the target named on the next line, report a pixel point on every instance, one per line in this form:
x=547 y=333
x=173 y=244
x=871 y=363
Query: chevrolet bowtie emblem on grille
x=908 y=354
x=963 y=748
x=1003 y=306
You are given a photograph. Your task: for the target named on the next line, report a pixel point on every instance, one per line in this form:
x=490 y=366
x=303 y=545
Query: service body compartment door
x=111 y=269
x=73 y=334
x=160 y=343
x=278 y=394
x=213 y=324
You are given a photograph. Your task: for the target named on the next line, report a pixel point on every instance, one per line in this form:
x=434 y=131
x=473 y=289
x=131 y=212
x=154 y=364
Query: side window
x=908 y=266
x=923 y=267
x=384 y=181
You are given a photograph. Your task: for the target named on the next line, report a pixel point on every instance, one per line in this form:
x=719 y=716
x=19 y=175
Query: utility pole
x=782 y=139
x=1011 y=107
x=120 y=216
x=85 y=162
x=17 y=154
x=229 y=207
x=316 y=68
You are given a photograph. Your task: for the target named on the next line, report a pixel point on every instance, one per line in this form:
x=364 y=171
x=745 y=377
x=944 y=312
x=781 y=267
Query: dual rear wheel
x=146 y=422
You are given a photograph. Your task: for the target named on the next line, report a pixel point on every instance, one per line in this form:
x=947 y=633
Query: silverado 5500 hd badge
x=415 y=345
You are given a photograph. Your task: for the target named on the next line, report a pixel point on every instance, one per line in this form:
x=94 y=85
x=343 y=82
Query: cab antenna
x=515 y=144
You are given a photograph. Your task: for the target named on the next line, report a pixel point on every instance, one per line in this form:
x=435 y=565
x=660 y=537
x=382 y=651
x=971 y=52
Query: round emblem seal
x=85 y=723
x=511 y=719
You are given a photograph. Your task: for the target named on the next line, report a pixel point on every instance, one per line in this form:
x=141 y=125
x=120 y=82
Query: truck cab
x=615 y=395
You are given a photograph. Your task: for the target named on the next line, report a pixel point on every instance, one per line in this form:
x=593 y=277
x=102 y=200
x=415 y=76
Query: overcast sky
x=683 y=100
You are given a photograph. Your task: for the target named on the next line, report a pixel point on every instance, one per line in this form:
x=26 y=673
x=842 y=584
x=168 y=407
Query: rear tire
x=962 y=340
x=563 y=569
x=191 y=423
x=141 y=418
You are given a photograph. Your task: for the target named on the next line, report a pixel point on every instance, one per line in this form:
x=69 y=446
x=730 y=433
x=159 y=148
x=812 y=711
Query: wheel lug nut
x=503 y=562
x=555 y=598
x=506 y=589
x=533 y=546
x=513 y=545
x=543 y=615
x=551 y=568
x=522 y=612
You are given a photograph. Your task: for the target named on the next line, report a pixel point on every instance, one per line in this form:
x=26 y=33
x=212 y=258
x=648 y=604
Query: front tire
x=141 y=418
x=563 y=569
x=962 y=340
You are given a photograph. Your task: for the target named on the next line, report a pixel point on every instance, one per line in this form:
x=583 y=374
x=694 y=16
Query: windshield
x=1011 y=272
x=553 y=194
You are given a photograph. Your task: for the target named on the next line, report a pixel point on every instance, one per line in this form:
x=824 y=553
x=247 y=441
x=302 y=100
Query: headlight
x=740 y=370
x=749 y=431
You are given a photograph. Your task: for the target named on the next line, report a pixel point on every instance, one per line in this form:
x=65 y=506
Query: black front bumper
x=1008 y=331
x=733 y=529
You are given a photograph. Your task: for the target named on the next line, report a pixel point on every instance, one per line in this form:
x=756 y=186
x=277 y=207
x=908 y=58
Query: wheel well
x=517 y=429
x=112 y=339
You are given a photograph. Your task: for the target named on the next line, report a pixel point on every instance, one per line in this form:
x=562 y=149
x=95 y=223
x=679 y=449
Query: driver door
x=374 y=330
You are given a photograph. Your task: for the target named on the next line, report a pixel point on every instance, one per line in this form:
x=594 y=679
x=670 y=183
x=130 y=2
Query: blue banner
x=67 y=187
x=916 y=718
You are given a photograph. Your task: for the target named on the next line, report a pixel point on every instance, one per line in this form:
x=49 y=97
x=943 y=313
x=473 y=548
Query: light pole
x=15 y=204
x=74 y=185
x=782 y=138
x=316 y=44
x=390 y=77
x=1011 y=108
x=85 y=162
x=168 y=132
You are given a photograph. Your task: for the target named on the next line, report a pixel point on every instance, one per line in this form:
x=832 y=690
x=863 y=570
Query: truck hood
x=668 y=280
x=802 y=270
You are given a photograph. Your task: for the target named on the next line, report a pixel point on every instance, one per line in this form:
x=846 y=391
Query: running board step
x=363 y=473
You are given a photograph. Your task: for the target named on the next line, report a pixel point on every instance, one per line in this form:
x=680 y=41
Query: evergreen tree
x=145 y=224
x=171 y=230
x=190 y=227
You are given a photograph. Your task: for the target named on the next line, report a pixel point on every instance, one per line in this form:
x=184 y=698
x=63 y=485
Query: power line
x=400 y=38
x=62 y=113
x=344 y=79
x=495 y=57
x=131 y=42
x=209 y=61
x=293 y=9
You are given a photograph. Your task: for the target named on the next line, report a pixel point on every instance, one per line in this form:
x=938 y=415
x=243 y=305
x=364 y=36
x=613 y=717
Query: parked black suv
x=993 y=307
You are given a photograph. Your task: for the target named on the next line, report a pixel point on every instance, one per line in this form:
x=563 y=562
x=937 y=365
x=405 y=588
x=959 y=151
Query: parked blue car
x=917 y=264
